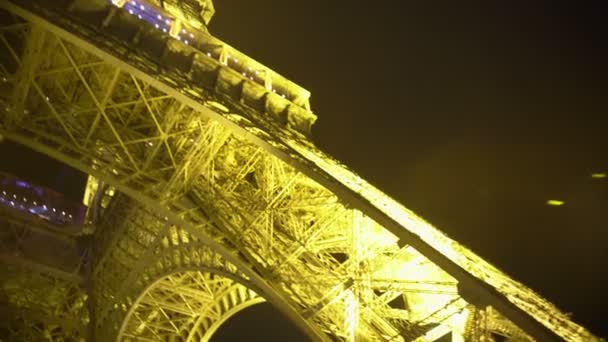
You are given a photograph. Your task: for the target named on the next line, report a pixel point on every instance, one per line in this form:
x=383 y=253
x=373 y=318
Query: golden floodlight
x=555 y=203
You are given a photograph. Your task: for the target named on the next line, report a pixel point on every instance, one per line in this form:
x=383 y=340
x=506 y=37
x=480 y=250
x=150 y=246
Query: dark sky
x=471 y=115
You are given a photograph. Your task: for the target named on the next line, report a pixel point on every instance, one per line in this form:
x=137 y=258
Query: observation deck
x=39 y=201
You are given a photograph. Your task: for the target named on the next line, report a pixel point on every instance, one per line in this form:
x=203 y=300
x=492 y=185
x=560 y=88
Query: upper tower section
x=236 y=75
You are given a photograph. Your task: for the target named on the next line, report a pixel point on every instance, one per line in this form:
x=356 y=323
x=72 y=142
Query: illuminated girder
x=217 y=180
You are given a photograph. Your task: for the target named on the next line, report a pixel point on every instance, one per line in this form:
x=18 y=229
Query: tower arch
x=187 y=305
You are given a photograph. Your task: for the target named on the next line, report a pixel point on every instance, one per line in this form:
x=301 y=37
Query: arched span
x=213 y=329
x=187 y=304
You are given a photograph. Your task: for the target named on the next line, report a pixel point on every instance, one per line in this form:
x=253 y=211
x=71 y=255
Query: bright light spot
x=167 y=22
x=159 y=17
x=130 y=11
x=139 y=16
x=142 y=7
x=555 y=203
x=186 y=41
x=164 y=30
x=191 y=35
x=598 y=175
x=156 y=25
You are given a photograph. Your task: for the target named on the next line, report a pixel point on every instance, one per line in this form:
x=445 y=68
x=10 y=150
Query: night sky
x=471 y=115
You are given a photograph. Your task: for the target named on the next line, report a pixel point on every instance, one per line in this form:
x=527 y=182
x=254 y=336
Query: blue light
x=22 y=184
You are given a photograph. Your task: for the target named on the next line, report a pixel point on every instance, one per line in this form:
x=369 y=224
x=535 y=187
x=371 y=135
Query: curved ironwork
x=188 y=306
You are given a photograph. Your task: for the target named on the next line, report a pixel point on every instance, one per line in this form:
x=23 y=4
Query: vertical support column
x=268 y=80
x=459 y=325
x=223 y=59
x=475 y=326
x=32 y=56
x=352 y=297
x=90 y=302
x=175 y=29
x=351 y=317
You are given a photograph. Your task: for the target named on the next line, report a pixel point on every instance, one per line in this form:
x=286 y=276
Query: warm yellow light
x=598 y=175
x=555 y=203
x=352 y=315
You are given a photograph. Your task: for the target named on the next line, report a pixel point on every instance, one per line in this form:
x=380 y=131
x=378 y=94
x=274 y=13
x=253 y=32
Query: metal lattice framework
x=191 y=305
x=223 y=200
x=42 y=283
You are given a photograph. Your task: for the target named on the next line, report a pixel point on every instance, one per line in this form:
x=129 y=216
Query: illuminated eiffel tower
x=205 y=196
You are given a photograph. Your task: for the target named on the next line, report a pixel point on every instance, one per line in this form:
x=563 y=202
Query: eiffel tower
x=205 y=196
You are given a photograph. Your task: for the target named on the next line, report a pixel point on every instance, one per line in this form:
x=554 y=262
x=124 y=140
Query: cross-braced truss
x=221 y=202
x=136 y=248
x=188 y=306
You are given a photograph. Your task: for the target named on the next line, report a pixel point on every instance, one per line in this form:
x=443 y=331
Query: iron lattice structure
x=206 y=196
